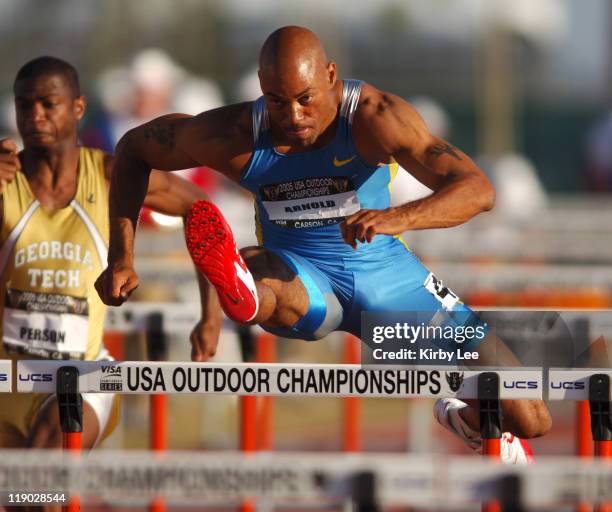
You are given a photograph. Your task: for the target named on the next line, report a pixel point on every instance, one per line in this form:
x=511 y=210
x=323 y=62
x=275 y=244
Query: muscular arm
x=137 y=153
x=170 y=194
x=461 y=190
x=218 y=138
x=387 y=128
x=166 y=192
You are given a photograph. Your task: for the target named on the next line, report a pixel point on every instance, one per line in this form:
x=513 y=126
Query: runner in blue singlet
x=302 y=197
x=319 y=154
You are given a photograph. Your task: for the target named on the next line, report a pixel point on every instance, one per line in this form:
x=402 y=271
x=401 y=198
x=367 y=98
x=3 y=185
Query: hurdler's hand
x=366 y=224
x=9 y=162
x=205 y=338
x=116 y=284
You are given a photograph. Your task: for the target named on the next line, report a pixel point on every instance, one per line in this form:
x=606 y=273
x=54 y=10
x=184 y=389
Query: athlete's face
x=300 y=101
x=47 y=111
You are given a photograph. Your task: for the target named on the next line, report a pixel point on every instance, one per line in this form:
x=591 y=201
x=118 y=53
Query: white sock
x=446 y=411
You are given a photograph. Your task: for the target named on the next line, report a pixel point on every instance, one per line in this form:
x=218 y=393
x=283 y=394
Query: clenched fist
x=116 y=284
x=9 y=162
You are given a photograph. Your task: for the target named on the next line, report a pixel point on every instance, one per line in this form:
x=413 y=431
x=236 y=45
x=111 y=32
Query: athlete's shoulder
x=383 y=119
x=376 y=105
x=221 y=138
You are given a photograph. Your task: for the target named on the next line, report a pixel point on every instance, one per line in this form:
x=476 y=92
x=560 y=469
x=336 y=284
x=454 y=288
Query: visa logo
x=115 y=370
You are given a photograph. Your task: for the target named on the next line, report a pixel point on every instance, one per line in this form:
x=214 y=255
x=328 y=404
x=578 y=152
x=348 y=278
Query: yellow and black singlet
x=49 y=261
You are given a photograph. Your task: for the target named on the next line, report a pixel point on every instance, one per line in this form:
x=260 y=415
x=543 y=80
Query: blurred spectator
x=519 y=192
x=153 y=85
x=8 y=125
x=247 y=88
x=599 y=155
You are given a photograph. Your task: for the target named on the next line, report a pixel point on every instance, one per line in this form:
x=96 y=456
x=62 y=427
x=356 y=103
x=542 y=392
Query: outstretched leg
x=522 y=419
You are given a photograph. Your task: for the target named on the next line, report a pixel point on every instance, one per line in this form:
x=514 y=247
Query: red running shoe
x=213 y=249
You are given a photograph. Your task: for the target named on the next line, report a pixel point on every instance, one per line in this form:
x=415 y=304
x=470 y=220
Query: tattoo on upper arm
x=162 y=134
x=440 y=149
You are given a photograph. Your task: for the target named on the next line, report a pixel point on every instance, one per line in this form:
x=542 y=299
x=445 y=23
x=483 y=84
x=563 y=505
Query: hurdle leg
x=157 y=348
x=70 y=403
x=248 y=435
x=351 y=420
x=600 y=396
x=158 y=437
x=490 y=423
x=265 y=352
x=584 y=441
x=363 y=492
x=248 y=438
x=158 y=420
x=351 y=423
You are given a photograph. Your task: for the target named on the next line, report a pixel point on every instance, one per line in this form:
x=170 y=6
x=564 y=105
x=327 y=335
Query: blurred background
x=525 y=87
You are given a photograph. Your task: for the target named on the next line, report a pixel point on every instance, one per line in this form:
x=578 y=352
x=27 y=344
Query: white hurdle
x=437 y=482
x=275 y=379
x=431 y=482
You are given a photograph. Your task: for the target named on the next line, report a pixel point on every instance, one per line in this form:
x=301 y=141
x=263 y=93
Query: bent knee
x=256 y=260
x=251 y=251
x=265 y=264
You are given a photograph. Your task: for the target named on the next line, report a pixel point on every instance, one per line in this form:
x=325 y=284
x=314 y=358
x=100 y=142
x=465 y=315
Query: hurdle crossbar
x=341 y=380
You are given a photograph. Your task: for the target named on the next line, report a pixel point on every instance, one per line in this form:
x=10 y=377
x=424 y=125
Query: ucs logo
x=454 y=379
x=568 y=384
x=521 y=384
x=36 y=377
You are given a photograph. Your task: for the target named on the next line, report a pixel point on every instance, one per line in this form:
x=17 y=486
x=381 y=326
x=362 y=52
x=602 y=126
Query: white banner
x=271 y=379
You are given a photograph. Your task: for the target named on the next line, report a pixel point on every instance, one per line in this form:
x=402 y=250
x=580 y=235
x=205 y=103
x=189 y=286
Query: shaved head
x=299 y=84
x=294 y=49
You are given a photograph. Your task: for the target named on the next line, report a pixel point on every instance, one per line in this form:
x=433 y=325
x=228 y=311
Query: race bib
x=46 y=325
x=443 y=294
x=310 y=202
